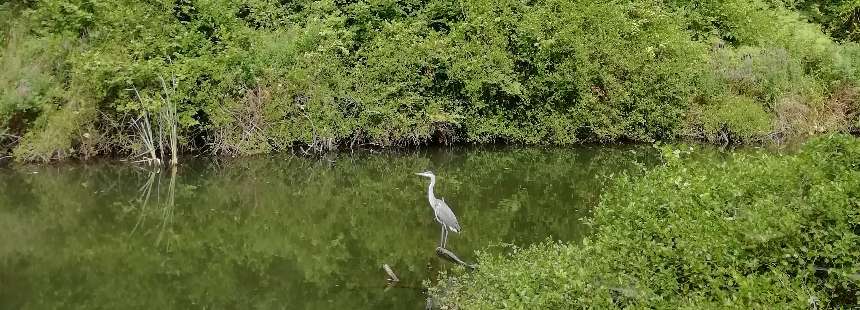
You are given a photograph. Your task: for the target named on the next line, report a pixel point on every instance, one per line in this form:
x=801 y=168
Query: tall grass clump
x=757 y=231
x=163 y=136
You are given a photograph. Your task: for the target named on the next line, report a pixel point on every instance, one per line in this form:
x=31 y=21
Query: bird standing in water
x=441 y=211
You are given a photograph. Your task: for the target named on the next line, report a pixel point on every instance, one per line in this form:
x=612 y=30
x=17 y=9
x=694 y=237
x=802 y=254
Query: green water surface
x=281 y=232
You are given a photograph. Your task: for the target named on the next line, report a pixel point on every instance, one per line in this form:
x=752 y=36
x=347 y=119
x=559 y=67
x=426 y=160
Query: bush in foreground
x=757 y=231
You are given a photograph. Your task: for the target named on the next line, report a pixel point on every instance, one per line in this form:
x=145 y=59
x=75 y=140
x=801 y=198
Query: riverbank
x=92 y=78
x=758 y=231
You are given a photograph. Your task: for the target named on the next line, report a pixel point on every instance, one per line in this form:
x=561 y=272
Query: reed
x=143 y=128
x=154 y=141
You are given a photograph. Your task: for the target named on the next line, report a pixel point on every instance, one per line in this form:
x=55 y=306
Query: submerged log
x=391 y=276
x=450 y=256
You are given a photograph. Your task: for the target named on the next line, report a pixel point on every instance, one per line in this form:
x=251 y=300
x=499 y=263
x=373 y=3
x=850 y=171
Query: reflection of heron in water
x=443 y=213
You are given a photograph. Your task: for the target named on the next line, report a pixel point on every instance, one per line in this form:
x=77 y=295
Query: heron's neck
x=430 y=195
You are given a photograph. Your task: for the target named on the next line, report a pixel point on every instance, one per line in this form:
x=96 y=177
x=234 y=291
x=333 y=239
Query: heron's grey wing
x=447 y=216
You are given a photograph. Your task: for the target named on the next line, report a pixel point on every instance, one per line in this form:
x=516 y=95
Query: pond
x=282 y=232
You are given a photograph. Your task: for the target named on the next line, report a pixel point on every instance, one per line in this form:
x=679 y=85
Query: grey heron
x=441 y=211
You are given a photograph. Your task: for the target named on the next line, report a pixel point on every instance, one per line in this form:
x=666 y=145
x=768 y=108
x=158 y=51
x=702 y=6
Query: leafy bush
x=757 y=231
x=28 y=83
x=260 y=76
x=58 y=134
x=839 y=18
x=737 y=119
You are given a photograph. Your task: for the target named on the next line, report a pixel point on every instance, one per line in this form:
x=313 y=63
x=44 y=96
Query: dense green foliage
x=839 y=18
x=255 y=76
x=756 y=231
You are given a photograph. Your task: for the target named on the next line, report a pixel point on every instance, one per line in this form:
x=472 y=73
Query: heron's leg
x=442 y=238
x=445 y=242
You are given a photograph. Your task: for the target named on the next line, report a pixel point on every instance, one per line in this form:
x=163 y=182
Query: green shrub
x=757 y=231
x=57 y=134
x=29 y=82
x=839 y=18
x=737 y=118
x=797 y=75
x=325 y=73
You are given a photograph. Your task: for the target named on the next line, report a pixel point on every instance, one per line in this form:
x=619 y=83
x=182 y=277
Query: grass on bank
x=759 y=231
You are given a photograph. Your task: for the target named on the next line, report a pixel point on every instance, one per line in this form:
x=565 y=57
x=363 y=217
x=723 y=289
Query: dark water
x=281 y=232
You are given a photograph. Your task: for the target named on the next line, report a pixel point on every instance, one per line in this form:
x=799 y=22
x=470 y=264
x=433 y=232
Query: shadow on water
x=281 y=232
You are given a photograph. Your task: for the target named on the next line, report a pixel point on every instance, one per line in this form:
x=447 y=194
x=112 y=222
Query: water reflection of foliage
x=280 y=232
x=164 y=209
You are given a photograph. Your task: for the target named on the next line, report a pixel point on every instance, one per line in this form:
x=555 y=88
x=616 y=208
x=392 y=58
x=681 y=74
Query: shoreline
x=9 y=159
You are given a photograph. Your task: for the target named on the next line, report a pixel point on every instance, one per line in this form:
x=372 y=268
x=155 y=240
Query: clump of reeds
x=162 y=137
